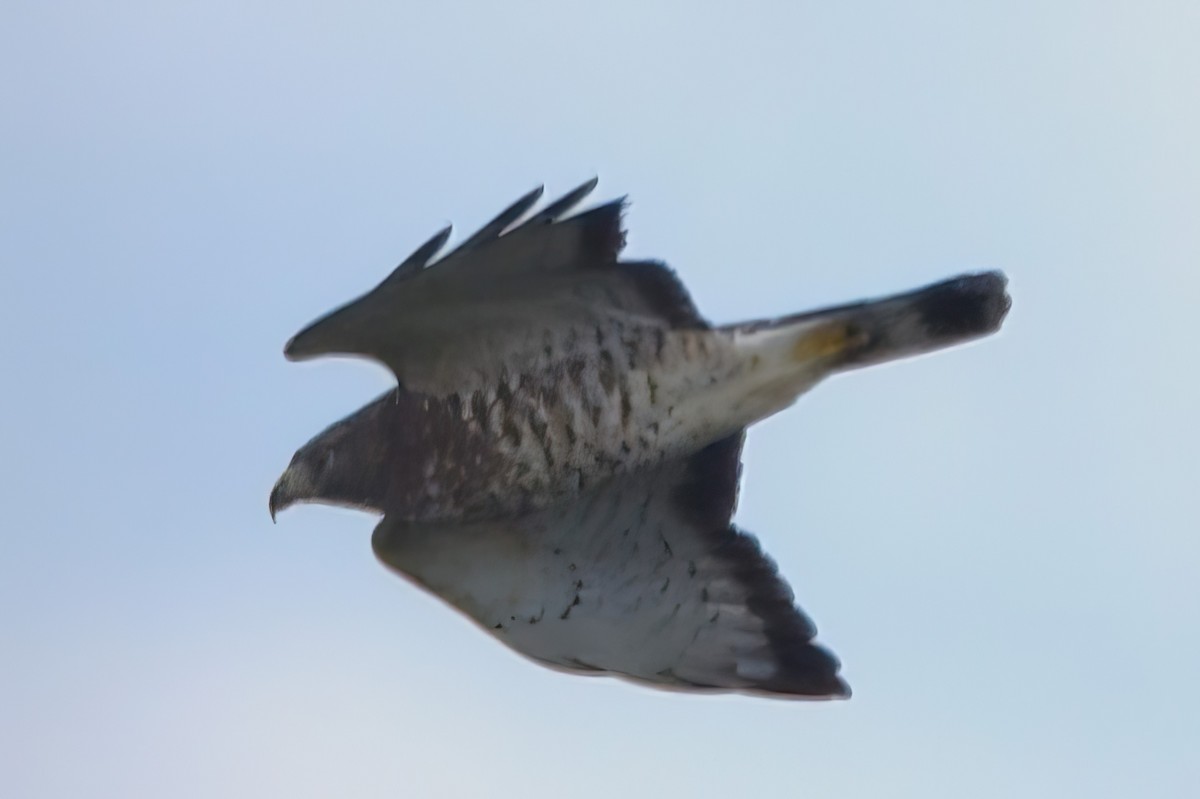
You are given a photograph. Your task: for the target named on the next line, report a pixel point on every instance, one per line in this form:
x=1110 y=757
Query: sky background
x=999 y=541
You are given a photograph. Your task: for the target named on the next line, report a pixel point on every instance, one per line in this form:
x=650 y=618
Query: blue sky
x=1000 y=541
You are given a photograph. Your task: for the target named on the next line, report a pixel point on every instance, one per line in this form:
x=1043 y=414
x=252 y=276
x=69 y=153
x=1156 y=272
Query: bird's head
x=334 y=468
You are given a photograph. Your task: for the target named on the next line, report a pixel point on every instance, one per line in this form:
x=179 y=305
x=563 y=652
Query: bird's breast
x=597 y=403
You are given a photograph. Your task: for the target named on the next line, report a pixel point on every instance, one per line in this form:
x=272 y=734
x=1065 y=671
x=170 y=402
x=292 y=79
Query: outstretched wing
x=441 y=326
x=643 y=577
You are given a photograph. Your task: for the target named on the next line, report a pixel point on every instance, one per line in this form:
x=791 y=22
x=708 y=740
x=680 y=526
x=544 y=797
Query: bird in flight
x=560 y=458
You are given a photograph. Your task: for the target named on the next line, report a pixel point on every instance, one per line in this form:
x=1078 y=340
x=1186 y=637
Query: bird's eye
x=327 y=461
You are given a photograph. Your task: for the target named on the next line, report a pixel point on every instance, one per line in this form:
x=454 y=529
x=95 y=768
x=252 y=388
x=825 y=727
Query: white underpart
x=662 y=394
x=618 y=581
x=755 y=374
x=602 y=401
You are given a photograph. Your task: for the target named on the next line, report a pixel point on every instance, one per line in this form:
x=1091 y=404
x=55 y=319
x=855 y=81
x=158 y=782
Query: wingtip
x=289 y=350
x=827 y=688
x=297 y=347
x=564 y=204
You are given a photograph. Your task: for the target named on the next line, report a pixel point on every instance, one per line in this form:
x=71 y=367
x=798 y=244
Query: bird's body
x=560 y=459
x=605 y=401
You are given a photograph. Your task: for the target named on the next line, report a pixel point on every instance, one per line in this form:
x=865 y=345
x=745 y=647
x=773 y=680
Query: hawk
x=560 y=457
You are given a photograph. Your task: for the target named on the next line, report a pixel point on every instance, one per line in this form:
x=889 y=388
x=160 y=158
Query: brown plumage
x=560 y=457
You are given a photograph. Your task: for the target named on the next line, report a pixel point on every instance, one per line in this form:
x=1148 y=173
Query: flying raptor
x=560 y=458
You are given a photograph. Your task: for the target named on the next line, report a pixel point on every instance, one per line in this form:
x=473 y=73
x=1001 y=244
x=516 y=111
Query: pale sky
x=1000 y=542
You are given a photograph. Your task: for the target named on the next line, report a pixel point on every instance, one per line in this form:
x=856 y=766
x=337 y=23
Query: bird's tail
x=793 y=353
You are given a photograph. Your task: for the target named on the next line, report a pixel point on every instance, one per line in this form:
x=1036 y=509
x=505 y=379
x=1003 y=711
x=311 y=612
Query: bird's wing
x=643 y=577
x=439 y=325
